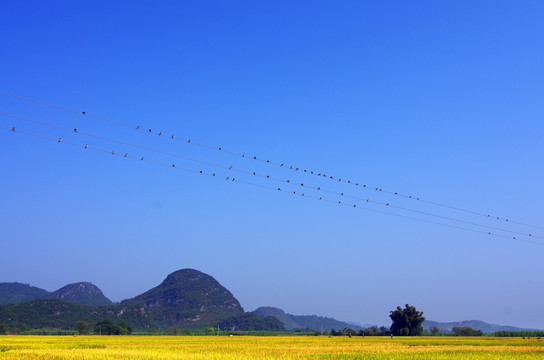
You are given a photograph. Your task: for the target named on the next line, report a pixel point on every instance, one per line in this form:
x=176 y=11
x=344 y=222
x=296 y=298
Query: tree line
x=405 y=322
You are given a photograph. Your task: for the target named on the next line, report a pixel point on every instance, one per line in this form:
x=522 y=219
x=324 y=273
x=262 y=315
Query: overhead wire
x=232 y=179
x=267 y=177
x=276 y=163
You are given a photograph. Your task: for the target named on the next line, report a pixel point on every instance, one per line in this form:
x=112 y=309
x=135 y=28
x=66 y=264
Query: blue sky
x=441 y=100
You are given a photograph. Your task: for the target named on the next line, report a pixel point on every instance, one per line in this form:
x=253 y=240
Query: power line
x=271 y=162
x=267 y=177
x=232 y=179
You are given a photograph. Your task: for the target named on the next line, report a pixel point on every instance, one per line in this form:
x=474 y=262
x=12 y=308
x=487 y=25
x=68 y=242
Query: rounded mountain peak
x=184 y=275
x=85 y=293
x=188 y=298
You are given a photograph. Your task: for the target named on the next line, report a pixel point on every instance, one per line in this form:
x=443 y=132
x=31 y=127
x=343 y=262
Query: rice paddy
x=253 y=347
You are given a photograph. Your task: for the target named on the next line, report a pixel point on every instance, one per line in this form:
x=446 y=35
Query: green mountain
x=185 y=299
x=311 y=322
x=12 y=293
x=84 y=293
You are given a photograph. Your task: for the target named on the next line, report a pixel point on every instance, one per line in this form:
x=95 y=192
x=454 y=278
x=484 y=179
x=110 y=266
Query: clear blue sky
x=442 y=100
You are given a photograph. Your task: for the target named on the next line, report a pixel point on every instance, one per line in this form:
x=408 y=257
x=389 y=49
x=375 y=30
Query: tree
x=123 y=329
x=407 y=321
x=107 y=327
x=466 y=331
x=4 y=328
x=434 y=330
x=82 y=327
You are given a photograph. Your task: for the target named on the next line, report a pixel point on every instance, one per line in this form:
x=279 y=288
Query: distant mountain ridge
x=447 y=327
x=84 y=293
x=13 y=293
x=311 y=322
x=187 y=298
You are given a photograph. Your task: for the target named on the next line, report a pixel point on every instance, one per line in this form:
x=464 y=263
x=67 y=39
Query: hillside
x=59 y=314
x=84 y=293
x=13 y=293
x=312 y=322
x=188 y=299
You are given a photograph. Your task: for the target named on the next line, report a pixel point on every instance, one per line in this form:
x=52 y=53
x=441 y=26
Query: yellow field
x=250 y=347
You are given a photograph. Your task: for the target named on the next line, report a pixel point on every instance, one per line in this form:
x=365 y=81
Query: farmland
x=273 y=347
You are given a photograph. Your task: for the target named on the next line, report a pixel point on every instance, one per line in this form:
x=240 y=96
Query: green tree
x=82 y=327
x=407 y=321
x=4 y=328
x=434 y=330
x=209 y=331
x=123 y=329
x=466 y=331
x=105 y=327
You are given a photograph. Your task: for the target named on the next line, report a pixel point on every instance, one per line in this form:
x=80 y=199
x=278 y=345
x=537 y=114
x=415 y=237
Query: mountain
x=84 y=293
x=12 y=293
x=447 y=327
x=312 y=322
x=60 y=314
x=187 y=298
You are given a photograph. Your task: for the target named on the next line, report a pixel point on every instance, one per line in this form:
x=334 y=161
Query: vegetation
x=106 y=327
x=466 y=331
x=13 y=293
x=304 y=322
x=49 y=332
x=407 y=321
x=186 y=299
x=521 y=334
x=4 y=328
x=59 y=314
x=260 y=348
x=84 y=293
x=82 y=327
x=375 y=331
x=251 y=322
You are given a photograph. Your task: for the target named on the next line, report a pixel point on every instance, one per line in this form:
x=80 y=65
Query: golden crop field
x=253 y=347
